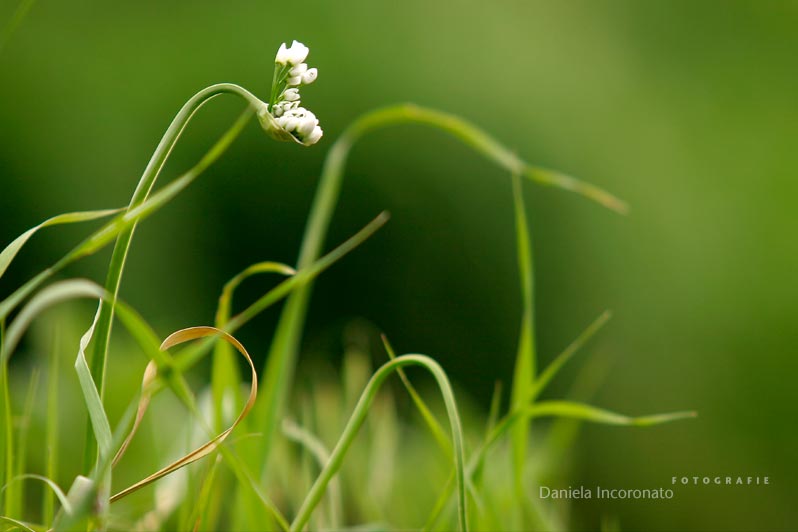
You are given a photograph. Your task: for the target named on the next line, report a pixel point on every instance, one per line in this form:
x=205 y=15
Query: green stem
x=359 y=416
x=282 y=357
x=98 y=357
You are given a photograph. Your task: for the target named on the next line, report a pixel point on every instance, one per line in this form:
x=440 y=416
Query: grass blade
x=23 y=433
x=524 y=373
x=151 y=172
x=11 y=250
x=16 y=524
x=52 y=295
x=51 y=430
x=551 y=370
x=54 y=488
x=356 y=421
x=320 y=453
x=594 y=414
x=225 y=375
x=432 y=423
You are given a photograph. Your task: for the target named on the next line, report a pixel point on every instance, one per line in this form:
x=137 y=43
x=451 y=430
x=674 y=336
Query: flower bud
x=307 y=124
x=298 y=70
x=314 y=136
x=297 y=53
x=310 y=76
x=282 y=55
x=294 y=55
x=291 y=95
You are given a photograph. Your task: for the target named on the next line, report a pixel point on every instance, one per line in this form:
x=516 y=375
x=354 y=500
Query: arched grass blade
x=52 y=295
x=59 y=493
x=426 y=414
x=356 y=421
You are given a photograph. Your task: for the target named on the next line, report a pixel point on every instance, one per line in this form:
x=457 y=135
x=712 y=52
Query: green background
x=688 y=110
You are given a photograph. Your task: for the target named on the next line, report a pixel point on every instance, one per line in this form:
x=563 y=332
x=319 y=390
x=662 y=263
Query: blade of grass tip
x=11 y=250
x=51 y=430
x=225 y=375
x=101 y=428
x=319 y=452
x=435 y=428
x=600 y=415
x=283 y=353
x=356 y=421
x=24 y=432
x=524 y=372
x=551 y=370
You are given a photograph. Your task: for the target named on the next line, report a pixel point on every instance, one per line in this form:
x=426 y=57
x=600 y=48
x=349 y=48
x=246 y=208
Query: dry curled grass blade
x=176 y=338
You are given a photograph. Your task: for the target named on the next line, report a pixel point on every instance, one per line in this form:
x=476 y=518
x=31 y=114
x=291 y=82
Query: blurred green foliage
x=685 y=109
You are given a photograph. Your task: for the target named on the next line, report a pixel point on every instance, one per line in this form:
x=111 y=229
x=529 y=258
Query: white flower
x=302 y=124
x=310 y=76
x=294 y=55
x=314 y=137
x=284 y=119
x=299 y=69
x=282 y=55
x=291 y=95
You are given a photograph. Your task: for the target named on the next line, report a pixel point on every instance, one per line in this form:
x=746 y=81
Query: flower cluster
x=290 y=73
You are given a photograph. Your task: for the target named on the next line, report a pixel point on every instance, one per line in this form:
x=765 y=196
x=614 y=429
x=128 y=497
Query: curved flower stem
x=97 y=358
x=359 y=416
x=282 y=356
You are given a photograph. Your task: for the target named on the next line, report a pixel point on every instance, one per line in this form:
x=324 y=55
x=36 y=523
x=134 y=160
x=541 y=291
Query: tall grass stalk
x=98 y=359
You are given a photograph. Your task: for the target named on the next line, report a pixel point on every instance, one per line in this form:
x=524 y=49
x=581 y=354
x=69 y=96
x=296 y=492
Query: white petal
x=298 y=70
x=314 y=136
x=291 y=95
x=282 y=55
x=297 y=53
